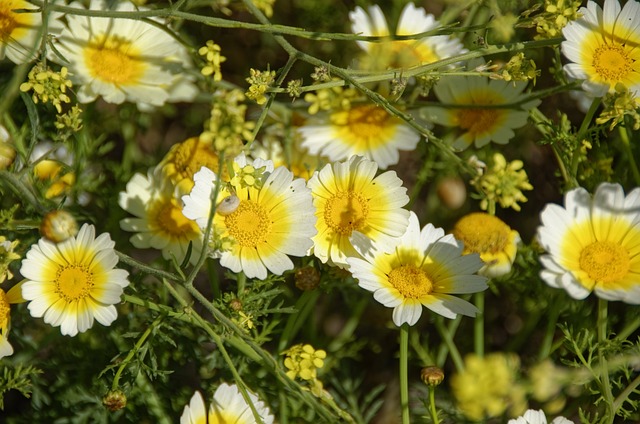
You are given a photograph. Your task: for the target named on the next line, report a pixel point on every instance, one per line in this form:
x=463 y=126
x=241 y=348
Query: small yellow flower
x=260 y=82
x=491 y=238
x=556 y=15
x=213 y=57
x=304 y=361
x=227 y=129
x=488 y=386
x=48 y=86
x=503 y=184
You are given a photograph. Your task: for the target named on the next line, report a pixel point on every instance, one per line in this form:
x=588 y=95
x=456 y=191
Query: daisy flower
x=491 y=238
x=537 y=417
x=401 y=53
x=158 y=222
x=227 y=406
x=602 y=47
x=480 y=107
x=365 y=130
x=592 y=244
x=74 y=282
x=349 y=197
x=185 y=159
x=21 y=33
x=122 y=59
x=263 y=216
x=14 y=295
x=425 y=269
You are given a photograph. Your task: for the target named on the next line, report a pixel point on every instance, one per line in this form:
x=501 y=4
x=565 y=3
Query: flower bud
x=432 y=376
x=307 y=278
x=58 y=225
x=114 y=400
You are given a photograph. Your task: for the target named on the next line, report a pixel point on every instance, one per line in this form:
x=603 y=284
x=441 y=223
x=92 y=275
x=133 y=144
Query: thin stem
x=624 y=136
x=404 y=372
x=478 y=325
x=617 y=403
x=448 y=340
x=432 y=405
x=605 y=384
x=450 y=330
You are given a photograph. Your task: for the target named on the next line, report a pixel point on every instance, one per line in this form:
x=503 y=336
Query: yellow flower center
x=7 y=21
x=166 y=215
x=482 y=233
x=114 y=59
x=605 y=261
x=73 y=282
x=189 y=156
x=398 y=54
x=364 y=127
x=249 y=225
x=4 y=311
x=346 y=211
x=412 y=282
x=478 y=121
x=612 y=62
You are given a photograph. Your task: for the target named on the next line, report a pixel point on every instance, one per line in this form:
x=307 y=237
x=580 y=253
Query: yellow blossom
x=213 y=57
x=227 y=129
x=7 y=255
x=260 y=82
x=556 y=15
x=503 y=184
x=304 y=361
x=48 y=86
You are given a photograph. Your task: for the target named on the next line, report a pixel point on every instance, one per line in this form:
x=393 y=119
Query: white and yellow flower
x=483 y=109
x=158 y=222
x=425 y=269
x=21 y=33
x=263 y=216
x=123 y=59
x=401 y=53
x=491 y=238
x=365 y=130
x=602 y=46
x=349 y=197
x=14 y=295
x=75 y=282
x=538 y=417
x=593 y=244
x=227 y=406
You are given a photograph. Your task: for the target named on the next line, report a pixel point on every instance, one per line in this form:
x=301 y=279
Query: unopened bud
x=307 y=278
x=432 y=376
x=235 y=304
x=58 y=225
x=114 y=400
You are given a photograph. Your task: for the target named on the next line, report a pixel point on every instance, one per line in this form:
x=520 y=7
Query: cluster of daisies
x=254 y=213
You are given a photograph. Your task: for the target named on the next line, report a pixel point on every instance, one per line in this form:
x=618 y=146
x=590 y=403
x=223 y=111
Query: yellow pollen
x=114 y=59
x=191 y=155
x=7 y=23
x=482 y=233
x=478 y=121
x=249 y=225
x=605 y=261
x=346 y=212
x=4 y=311
x=412 y=282
x=611 y=62
x=166 y=215
x=73 y=282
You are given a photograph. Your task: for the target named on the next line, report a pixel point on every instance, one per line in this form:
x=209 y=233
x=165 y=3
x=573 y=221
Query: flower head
x=538 y=417
x=481 y=108
x=503 y=184
x=123 y=59
x=20 y=32
x=7 y=255
x=365 y=130
x=491 y=238
x=425 y=268
x=349 y=197
x=158 y=220
x=263 y=216
x=74 y=282
x=227 y=406
x=401 y=53
x=592 y=244
x=602 y=47
x=304 y=361
x=489 y=386
x=6 y=299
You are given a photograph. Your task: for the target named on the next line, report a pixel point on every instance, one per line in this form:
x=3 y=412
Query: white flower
x=538 y=417
x=74 y=282
x=227 y=406
x=602 y=46
x=592 y=244
x=123 y=59
x=424 y=269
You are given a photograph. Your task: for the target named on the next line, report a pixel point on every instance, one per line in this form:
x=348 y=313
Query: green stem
x=547 y=341
x=478 y=325
x=447 y=336
x=605 y=384
x=432 y=405
x=624 y=136
x=214 y=281
x=404 y=372
x=617 y=403
x=304 y=306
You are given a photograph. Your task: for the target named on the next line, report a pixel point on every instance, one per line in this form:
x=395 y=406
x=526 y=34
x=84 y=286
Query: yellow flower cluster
x=7 y=255
x=247 y=176
x=502 y=184
x=617 y=105
x=489 y=386
x=48 y=86
x=304 y=361
x=556 y=15
x=260 y=82
x=519 y=68
x=266 y=6
x=227 y=129
x=211 y=52
x=334 y=98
